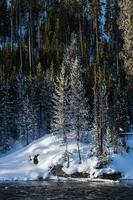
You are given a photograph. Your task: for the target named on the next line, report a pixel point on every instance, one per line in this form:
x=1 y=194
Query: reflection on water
x=66 y=190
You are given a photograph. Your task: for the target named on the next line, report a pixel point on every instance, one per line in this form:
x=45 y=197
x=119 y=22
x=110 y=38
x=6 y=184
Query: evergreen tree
x=4 y=113
x=59 y=123
x=79 y=112
x=101 y=114
x=21 y=94
x=126 y=23
x=28 y=121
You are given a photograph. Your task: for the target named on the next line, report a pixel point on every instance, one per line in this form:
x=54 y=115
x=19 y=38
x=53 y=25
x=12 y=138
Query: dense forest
x=66 y=66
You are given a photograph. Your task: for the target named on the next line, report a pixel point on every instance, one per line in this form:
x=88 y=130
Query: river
x=51 y=190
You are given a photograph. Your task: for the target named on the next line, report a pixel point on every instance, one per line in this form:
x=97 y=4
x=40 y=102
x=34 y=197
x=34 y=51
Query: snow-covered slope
x=19 y=166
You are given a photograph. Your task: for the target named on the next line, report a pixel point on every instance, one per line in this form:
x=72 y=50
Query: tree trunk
x=11 y=25
x=79 y=154
x=20 y=37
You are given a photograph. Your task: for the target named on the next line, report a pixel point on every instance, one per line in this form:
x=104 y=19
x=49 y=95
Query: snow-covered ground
x=20 y=166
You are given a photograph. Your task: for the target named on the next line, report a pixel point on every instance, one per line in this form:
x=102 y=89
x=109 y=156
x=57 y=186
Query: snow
x=87 y=179
x=18 y=165
x=130 y=142
x=123 y=163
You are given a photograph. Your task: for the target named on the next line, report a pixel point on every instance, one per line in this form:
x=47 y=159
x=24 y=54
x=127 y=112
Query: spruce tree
x=4 y=113
x=79 y=108
x=59 y=124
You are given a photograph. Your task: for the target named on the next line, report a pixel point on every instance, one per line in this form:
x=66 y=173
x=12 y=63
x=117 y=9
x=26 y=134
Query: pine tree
x=28 y=121
x=47 y=90
x=59 y=123
x=126 y=23
x=79 y=112
x=21 y=90
x=100 y=125
x=43 y=86
x=26 y=117
x=70 y=98
x=4 y=113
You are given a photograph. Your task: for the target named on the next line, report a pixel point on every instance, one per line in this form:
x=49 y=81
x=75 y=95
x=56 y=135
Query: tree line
x=66 y=67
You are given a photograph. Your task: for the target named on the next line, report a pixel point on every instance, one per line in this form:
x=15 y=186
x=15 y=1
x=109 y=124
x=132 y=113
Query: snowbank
x=123 y=163
x=20 y=166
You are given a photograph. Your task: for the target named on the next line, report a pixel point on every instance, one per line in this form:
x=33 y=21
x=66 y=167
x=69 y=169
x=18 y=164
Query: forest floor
x=44 y=159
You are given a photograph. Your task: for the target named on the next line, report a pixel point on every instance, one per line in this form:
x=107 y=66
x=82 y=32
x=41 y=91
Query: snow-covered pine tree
x=57 y=125
x=79 y=108
x=60 y=108
x=121 y=111
x=29 y=121
x=100 y=126
x=21 y=94
x=71 y=113
x=26 y=116
x=47 y=90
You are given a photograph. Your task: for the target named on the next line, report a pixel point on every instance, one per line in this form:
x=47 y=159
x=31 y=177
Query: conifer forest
x=66 y=68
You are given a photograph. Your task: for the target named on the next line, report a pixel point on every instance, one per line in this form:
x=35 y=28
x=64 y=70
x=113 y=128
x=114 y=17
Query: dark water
x=66 y=190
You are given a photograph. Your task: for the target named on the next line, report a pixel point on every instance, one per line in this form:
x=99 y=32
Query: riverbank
x=44 y=159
